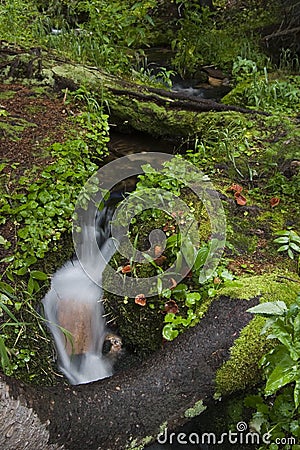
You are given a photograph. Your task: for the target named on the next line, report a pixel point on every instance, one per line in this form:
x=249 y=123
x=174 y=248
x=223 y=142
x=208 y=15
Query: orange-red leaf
x=171 y=307
x=126 y=269
x=160 y=260
x=240 y=199
x=169 y=227
x=236 y=188
x=140 y=299
x=274 y=201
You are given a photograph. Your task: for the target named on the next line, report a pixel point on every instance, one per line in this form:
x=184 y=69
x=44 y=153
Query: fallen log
x=159 y=112
x=131 y=408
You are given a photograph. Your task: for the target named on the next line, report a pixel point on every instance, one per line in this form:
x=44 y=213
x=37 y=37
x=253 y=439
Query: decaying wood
x=158 y=111
x=131 y=406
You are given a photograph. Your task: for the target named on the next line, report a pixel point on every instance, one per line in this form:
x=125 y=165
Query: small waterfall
x=73 y=306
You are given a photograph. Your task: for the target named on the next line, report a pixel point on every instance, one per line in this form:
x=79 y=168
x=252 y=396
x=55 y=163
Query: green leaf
x=294 y=236
x=192 y=298
x=6 y=288
x=290 y=253
x=30 y=285
x=283 y=248
x=22 y=271
x=282 y=240
x=295 y=247
x=189 y=252
x=169 y=333
x=277 y=308
x=297 y=393
x=149 y=19
x=201 y=257
x=284 y=373
x=9 y=313
x=38 y=275
x=5 y=362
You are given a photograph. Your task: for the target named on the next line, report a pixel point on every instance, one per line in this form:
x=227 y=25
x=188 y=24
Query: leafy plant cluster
x=289 y=241
x=41 y=204
x=98 y=32
x=182 y=304
x=41 y=211
x=217 y=36
x=277 y=406
x=258 y=89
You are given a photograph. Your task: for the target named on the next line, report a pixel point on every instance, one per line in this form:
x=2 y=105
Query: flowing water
x=74 y=310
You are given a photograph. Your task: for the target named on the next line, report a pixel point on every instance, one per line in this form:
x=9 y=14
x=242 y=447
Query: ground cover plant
x=253 y=161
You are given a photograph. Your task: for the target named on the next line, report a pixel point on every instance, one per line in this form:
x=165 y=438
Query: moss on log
x=158 y=112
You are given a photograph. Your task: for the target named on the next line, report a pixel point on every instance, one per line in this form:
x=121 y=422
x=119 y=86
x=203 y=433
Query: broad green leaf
x=22 y=271
x=192 y=298
x=295 y=236
x=201 y=257
x=30 y=285
x=277 y=308
x=169 y=332
x=38 y=275
x=284 y=335
x=290 y=253
x=284 y=373
x=295 y=247
x=283 y=248
x=281 y=240
x=189 y=253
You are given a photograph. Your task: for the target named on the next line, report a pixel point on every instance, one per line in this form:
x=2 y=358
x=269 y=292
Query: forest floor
x=31 y=119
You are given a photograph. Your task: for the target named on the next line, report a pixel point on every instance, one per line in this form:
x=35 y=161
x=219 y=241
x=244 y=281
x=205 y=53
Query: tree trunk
x=130 y=408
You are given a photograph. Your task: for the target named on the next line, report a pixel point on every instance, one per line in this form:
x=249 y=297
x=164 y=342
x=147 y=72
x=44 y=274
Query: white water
x=74 y=302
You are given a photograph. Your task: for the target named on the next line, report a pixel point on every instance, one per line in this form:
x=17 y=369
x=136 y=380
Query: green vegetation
x=277 y=404
x=41 y=203
x=252 y=159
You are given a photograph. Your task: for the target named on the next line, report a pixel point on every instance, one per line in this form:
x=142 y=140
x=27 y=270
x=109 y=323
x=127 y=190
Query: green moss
x=196 y=410
x=139 y=444
x=6 y=95
x=13 y=127
x=242 y=369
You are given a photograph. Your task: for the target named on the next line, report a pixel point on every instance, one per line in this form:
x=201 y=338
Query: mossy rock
x=242 y=371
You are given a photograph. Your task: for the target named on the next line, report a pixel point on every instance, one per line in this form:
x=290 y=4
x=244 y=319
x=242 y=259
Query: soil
x=30 y=121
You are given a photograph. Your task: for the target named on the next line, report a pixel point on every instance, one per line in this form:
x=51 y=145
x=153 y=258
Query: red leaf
x=240 y=199
x=171 y=307
x=126 y=269
x=274 y=201
x=160 y=260
x=236 y=188
x=140 y=299
x=169 y=227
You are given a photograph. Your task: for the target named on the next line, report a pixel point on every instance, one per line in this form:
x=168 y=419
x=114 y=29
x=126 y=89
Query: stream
x=74 y=301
